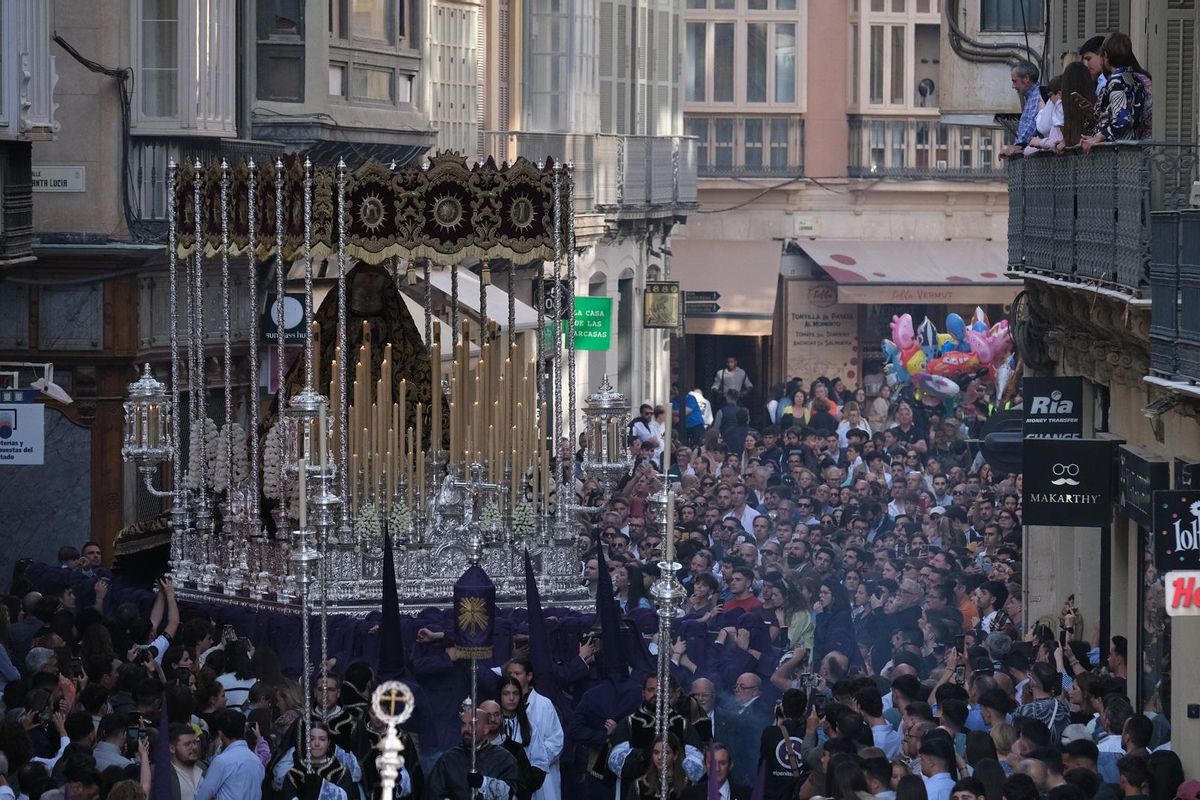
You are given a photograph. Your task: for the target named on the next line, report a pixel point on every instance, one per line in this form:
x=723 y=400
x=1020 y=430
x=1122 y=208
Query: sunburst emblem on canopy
x=521 y=214
x=370 y=212
x=472 y=616
x=448 y=211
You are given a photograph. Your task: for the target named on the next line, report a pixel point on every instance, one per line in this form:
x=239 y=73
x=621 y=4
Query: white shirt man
x=740 y=511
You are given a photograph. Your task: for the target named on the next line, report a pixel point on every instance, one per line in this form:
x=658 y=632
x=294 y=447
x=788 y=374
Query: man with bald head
x=496 y=772
x=740 y=724
x=493 y=721
x=705 y=695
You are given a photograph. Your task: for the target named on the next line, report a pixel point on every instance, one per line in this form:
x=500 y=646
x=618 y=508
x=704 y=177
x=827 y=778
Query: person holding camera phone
x=150 y=642
x=1047 y=706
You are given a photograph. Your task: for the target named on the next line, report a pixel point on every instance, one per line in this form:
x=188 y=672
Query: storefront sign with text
x=821 y=333
x=1183 y=593
x=1176 y=530
x=1068 y=482
x=593 y=323
x=1053 y=408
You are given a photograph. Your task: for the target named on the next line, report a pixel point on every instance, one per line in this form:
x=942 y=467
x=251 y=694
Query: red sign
x=1183 y=593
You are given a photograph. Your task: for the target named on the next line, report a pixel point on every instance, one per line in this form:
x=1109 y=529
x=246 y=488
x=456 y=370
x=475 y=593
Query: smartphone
x=131 y=741
x=183 y=676
x=818 y=702
x=228 y=634
x=960 y=644
x=76 y=667
x=960 y=674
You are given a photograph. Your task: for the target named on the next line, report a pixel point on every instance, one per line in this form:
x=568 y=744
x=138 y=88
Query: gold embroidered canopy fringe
x=445 y=212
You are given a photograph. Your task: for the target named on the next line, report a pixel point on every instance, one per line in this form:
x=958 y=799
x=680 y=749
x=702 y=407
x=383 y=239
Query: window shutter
x=1178 y=105
x=503 y=55
x=1108 y=16
x=605 y=65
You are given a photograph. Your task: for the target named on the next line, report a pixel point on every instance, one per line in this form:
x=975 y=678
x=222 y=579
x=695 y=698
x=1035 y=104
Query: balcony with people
x=1096 y=204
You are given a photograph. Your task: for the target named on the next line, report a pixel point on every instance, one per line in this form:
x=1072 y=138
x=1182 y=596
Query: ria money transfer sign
x=1053 y=407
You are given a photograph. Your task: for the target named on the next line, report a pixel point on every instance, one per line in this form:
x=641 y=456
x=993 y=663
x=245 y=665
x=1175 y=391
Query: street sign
x=702 y=308
x=701 y=297
x=660 y=304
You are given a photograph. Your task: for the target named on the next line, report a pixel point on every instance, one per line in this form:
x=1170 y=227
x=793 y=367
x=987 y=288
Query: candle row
x=490 y=417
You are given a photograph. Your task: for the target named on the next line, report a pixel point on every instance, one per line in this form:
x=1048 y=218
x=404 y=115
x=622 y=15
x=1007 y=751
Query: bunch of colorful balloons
x=941 y=364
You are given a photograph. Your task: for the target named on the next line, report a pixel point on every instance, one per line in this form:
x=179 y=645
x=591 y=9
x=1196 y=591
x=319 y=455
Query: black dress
x=305 y=784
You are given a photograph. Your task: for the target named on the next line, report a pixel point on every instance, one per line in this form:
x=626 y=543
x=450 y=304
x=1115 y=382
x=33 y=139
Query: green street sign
x=593 y=323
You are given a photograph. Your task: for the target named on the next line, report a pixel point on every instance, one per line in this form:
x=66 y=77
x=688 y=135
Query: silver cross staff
x=392 y=702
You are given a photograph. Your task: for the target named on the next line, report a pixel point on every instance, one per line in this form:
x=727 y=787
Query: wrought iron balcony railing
x=1085 y=217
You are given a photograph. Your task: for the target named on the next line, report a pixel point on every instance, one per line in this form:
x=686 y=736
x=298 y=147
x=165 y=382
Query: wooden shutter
x=1178 y=100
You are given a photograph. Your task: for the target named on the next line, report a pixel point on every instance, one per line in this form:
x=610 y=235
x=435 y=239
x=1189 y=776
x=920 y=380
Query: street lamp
x=148 y=428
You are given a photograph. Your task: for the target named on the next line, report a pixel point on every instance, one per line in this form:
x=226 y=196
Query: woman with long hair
x=911 y=787
x=796 y=411
x=629 y=587
x=846 y=781
x=514 y=716
x=287 y=704
x=989 y=772
x=1079 y=111
x=642 y=775
x=834 y=628
x=239 y=677
x=314 y=766
x=792 y=621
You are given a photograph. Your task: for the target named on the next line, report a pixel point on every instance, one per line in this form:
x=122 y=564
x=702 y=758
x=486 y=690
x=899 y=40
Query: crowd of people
x=853 y=628
x=1102 y=94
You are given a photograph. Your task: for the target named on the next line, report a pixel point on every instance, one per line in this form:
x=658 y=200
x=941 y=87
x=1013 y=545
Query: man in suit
x=740 y=725
x=720 y=765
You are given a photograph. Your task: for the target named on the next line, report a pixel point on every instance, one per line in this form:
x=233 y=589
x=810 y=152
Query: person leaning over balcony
x=1124 y=104
x=1025 y=82
x=1049 y=120
x=1089 y=54
x=1079 y=107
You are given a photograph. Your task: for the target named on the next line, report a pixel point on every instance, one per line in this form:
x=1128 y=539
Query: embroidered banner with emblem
x=444 y=213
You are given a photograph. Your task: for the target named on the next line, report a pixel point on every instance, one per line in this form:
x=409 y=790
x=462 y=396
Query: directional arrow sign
x=701 y=297
x=702 y=308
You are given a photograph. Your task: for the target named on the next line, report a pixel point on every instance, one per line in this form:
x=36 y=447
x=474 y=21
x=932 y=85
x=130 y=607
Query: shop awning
x=745 y=273
x=417 y=310
x=524 y=316
x=961 y=272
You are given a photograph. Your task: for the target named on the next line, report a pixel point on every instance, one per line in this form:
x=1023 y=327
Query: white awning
x=417 y=310
x=525 y=316
x=958 y=272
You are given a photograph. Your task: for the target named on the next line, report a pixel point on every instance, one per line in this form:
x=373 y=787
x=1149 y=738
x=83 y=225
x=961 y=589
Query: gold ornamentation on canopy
x=445 y=213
